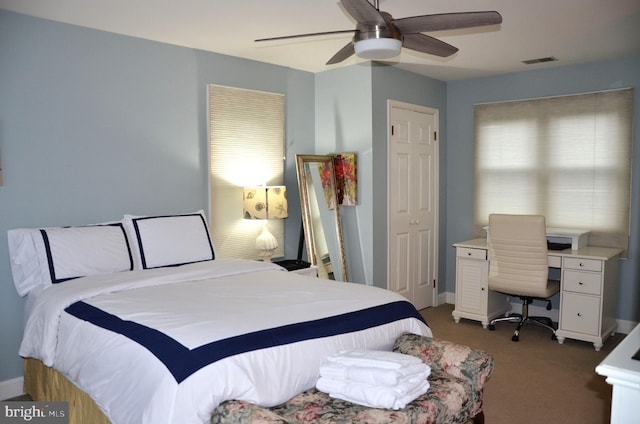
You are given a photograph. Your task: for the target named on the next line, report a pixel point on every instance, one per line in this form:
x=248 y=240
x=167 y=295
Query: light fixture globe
x=378 y=48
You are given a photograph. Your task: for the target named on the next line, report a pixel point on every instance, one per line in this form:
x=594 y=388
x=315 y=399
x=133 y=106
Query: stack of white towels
x=373 y=378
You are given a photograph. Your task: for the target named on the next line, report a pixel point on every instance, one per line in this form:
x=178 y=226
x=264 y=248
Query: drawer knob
x=581 y=264
x=580 y=283
x=468 y=253
x=579 y=314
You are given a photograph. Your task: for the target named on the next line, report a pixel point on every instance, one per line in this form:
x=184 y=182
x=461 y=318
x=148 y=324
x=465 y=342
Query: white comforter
x=194 y=305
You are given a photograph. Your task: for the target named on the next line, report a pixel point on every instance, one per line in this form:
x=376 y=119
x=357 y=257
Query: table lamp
x=265 y=202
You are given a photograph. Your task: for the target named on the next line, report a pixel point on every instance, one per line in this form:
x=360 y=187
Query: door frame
x=436 y=113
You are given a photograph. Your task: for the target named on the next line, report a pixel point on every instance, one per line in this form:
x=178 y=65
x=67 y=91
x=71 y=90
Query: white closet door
x=413 y=203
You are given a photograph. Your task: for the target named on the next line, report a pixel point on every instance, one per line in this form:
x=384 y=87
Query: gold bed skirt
x=43 y=383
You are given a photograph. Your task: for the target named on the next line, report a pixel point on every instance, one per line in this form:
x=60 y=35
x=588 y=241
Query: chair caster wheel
x=515 y=338
x=492 y=327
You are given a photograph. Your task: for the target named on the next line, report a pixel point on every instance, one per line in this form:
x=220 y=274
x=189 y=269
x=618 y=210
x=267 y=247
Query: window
x=568 y=158
x=246 y=148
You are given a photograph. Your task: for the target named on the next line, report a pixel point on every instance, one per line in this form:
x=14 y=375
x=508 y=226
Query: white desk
x=588 y=290
x=623 y=373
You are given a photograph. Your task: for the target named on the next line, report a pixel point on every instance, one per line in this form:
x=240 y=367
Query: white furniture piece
x=576 y=237
x=311 y=271
x=474 y=300
x=623 y=373
x=588 y=290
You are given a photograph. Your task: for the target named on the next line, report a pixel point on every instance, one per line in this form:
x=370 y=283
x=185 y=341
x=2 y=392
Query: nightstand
x=311 y=271
x=299 y=267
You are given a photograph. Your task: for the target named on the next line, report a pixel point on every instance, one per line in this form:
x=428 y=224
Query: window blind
x=567 y=158
x=246 y=148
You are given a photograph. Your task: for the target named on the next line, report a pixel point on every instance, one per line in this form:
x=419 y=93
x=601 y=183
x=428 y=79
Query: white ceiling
x=574 y=31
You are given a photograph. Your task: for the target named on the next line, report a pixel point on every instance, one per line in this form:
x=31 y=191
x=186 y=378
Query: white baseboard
x=11 y=388
x=624 y=326
x=448 y=298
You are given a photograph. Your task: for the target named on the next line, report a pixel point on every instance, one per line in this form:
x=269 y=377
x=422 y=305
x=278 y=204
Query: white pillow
x=28 y=260
x=171 y=240
x=97 y=249
x=74 y=252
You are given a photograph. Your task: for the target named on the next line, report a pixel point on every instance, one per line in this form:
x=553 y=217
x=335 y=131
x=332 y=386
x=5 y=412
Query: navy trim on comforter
x=182 y=362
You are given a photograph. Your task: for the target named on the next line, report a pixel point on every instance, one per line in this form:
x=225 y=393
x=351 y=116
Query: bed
x=140 y=316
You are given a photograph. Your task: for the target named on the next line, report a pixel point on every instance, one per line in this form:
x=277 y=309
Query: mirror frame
x=301 y=160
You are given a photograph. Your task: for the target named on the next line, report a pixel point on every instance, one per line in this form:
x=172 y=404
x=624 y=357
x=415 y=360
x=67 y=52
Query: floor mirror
x=321 y=216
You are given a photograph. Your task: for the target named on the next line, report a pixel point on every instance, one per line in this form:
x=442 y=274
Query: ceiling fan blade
x=445 y=21
x=363 y=12
x=425 y=44
x=345 y=52
x=312 y=34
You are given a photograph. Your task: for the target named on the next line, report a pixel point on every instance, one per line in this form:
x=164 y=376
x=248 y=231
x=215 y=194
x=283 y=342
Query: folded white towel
x=371 y=375
x=374 y=358
x=371 y=395
x=331 y=385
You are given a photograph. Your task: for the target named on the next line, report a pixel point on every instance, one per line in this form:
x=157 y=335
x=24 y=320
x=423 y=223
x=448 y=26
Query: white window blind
x=567 y=158
x=246 y=147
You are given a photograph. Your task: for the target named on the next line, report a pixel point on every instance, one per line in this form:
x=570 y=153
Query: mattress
x=168 y=345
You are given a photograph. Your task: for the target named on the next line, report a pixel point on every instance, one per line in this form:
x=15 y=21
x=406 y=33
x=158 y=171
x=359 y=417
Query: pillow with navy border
x=74 y=252
x=172 y=240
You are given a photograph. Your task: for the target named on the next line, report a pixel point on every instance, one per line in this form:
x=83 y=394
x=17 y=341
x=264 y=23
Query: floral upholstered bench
x=458 y=375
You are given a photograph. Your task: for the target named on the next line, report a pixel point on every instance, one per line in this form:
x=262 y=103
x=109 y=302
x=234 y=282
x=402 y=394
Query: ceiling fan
x=379 y=36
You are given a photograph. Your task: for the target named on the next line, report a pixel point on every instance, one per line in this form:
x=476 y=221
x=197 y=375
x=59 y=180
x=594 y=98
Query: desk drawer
x=583 y=264
x=580 y=313
x=466 y=252
x=582 y=282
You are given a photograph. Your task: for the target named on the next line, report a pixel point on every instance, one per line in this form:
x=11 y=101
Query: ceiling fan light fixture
x=378 y=48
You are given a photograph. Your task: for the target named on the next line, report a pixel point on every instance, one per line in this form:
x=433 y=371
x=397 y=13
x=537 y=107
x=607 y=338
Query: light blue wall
x=300 y=138
x=351 y=116
x=94 y=125
x=395 y=84
x=343 y=124
x=461 y=97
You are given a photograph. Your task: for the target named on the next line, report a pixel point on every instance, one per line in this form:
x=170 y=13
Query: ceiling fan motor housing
x=377 y=41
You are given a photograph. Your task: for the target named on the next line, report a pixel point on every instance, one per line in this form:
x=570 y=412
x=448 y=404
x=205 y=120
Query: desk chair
x=518 y=266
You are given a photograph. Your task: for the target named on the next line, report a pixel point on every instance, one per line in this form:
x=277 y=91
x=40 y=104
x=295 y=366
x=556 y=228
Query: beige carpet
x=535 y=380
